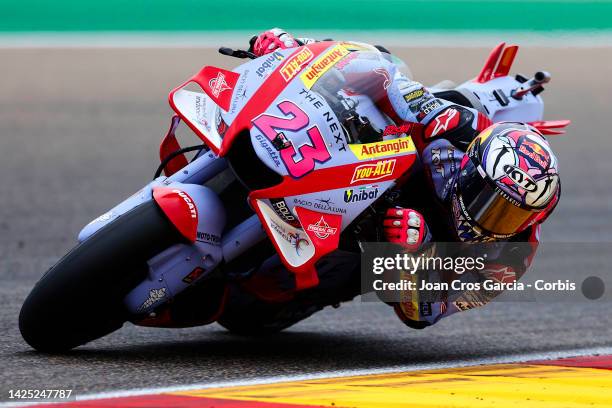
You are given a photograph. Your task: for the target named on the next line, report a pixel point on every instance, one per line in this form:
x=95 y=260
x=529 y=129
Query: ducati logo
x=322 y=229
x=218 y=85
x=188 y=201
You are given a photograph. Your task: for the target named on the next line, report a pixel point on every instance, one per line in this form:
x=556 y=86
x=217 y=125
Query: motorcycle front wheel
x=81 y=297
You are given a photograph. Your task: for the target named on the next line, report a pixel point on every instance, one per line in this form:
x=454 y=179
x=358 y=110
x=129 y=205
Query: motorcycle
x=293 y=175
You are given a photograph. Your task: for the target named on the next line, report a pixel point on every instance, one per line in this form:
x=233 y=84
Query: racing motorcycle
x=293 y=174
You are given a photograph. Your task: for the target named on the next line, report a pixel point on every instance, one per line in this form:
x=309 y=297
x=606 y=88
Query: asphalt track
x=79 y=131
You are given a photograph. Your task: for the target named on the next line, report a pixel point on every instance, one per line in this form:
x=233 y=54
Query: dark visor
x=486 y=206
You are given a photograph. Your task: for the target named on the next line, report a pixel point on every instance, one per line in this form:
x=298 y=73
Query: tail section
x=498 y=63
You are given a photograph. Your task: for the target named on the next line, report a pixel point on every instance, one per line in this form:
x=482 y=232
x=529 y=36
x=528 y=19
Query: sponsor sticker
x=414 y=95
x=279 y=205
x=272 y=152
x=218 y=84
x=381 y=149
x=200 y=111
x=323 y=204
x=192 y=208
x=428 y=107
x=393 y=130
x=240 y=95
x=436 y=160
x=268 y=63
x=355 y=195
x=295 y=64
x=323 y=64
x=535 y=153
x=322 y=229
x=373 y=171
x=208 y=238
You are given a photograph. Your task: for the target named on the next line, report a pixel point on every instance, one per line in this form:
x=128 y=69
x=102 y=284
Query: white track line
x=513 y=358
x=390 y=38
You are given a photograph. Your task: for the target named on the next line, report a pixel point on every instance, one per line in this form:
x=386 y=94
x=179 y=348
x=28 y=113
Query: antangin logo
x=291 y=68
x=323 y=64
x=386 y=148
x=322 y=229
x=218 y=85
x=189 y=201
x=374 y=171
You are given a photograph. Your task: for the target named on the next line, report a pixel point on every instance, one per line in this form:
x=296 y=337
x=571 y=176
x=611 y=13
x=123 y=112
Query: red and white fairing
x=326 y=183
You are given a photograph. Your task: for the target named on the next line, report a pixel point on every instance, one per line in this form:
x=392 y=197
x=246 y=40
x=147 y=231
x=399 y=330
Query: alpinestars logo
x=443 y=123
x=322 y=229
x=218 y=85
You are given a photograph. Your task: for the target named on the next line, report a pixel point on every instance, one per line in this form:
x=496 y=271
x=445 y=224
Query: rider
x=486 y=183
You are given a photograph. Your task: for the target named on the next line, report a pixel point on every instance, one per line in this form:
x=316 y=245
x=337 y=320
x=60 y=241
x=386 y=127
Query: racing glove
x=405 y=227
x=271 y=40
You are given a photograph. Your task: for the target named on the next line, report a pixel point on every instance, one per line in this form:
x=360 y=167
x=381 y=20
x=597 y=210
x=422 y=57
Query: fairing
x=328 y=176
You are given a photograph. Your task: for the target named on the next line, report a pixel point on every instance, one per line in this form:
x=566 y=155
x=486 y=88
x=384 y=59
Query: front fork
x=183 y=264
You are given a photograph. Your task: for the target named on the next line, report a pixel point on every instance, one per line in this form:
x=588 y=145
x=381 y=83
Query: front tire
x=81 y=297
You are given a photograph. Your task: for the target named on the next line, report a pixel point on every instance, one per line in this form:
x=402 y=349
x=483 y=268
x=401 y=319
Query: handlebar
x=237 y=53
x=539 y=78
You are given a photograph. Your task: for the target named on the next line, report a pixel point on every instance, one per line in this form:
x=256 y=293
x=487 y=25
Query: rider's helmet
x=508 y=180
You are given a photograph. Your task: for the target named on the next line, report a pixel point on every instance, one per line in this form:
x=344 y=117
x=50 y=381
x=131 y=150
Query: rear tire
x=81 y=297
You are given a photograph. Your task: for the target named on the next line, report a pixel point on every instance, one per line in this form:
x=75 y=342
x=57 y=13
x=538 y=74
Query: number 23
x=317 y=152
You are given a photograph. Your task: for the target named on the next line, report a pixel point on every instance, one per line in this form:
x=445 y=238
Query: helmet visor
x=488 y=206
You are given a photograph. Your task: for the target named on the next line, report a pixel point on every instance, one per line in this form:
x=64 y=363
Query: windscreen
x=356 y=87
